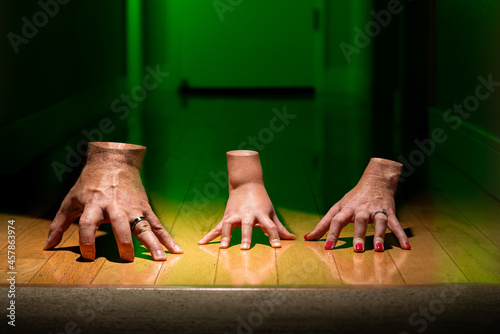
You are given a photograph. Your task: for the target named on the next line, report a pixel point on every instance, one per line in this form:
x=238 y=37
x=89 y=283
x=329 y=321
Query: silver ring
x=136 y=221
x=384 y=211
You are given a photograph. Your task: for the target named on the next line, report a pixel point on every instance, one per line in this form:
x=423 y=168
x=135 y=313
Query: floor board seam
x=439 y=243
x=465 y=217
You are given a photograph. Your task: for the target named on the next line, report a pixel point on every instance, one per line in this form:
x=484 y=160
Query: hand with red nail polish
x=110 y=190
x=362 y=205
x=248 y=205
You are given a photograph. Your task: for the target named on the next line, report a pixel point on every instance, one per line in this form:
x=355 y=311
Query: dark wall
x=468 y=46
x=77 y=45
x=59 y=81
x=468 y=88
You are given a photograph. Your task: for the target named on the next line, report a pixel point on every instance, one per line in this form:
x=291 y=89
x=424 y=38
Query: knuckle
x=142 y=228
x=144 y=204
x=273 y=228
x=337 y=220
x=228 y=214
x=55 y=229
x=120 y=217
x=247 y=222
x=125 y=243
x=227 y=221
x=382 y=219
x=157 y=228
x=86 y=222
x=363 y=215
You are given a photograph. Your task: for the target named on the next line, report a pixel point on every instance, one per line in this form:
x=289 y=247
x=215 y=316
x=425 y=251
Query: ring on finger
x=136 y=221
x=384 y=211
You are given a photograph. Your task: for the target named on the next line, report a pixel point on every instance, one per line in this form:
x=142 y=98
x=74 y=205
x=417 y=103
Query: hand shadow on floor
x=258 y=237
x=106 y=247
x=390 y=241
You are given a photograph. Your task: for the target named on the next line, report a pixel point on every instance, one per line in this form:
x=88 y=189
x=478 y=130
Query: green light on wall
x=134 y=65
x=134 y=42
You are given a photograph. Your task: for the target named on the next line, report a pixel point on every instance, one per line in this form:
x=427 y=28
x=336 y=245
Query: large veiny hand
x=249 y=204
x=110 y=190
x=364 y=204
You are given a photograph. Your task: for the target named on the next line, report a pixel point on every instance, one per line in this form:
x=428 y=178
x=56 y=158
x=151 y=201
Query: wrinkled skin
x=375 y=191
x=248 y=205
x=110 y=190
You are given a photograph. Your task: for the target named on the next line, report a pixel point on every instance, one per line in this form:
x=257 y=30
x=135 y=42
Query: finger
x=272 y=231
x=323 y=225
x=89 y=223
x=360 y=225
x=121 y=228
x=59 y=225
x=227 y=228
x=380 y=228
x=338 y=222
x=246 y=232
x=395 y=227
x=283 y=232
x=161 y=234
x=214 y=233
x=145 y=235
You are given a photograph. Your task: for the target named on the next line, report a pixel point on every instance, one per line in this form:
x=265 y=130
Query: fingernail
x=88 y=256
x=128 y=258
x=45 y=245
x=408 y=245
x=379 y=247
x=328 y=245
x=276 y=243
x=223 y=243
x=358 y=247
x=305 y=236
x=178 y=248
x=245 y=245
x=159 y=254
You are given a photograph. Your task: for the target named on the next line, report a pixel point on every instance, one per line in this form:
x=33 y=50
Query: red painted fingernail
x=408 y=245
x=358 y=247
x=305 y=236
x=328 y=245
x=379 y=247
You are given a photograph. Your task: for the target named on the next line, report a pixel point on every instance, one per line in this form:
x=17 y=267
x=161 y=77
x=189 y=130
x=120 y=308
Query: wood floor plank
x=427 y=262
x=303 y=262
x=21 y=224
x=367 y=268
x=197 y=266
x=256 y=266
x=30 y=256
x=65 y=266
x=475 y=255
x=478 y=207
x=141 y=271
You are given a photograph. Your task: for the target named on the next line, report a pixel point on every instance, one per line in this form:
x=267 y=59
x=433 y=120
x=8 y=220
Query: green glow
x=134 y=65
x=134 y=42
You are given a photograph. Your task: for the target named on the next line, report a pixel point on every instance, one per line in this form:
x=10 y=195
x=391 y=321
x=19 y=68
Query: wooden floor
x=308 y=165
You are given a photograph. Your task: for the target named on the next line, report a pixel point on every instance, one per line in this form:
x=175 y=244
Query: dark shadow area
x=106 y=247
x=258 y=237
x=391 y=240
x=187 y=91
